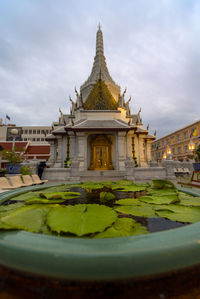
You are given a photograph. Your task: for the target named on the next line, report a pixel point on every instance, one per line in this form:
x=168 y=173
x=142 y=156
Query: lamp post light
x=191 y=146
x=14 y=132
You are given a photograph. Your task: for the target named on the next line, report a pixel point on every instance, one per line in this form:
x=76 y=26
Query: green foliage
x=67 y=163
x=26 y=170
x=3 y=170
x=12 y=156
x=135 y=162
x=81 y=219
x=106 y=196
x=197 y=154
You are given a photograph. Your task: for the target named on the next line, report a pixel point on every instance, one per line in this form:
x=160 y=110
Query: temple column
x=148 y=151
x=129 y=145
x=58 y=163
x=136 y=148
x=52 y=157
x=121 y=150
x=82 y=150
x=64 y=149
x=142 y=151
x=72 y=145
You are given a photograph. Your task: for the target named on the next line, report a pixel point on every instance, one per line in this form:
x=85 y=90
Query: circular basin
x=100 y=259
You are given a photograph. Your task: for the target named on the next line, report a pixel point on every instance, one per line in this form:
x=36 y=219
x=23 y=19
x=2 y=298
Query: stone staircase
x=104 y=175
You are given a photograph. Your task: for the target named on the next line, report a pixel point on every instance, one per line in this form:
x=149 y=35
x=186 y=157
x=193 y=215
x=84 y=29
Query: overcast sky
x=152 y=47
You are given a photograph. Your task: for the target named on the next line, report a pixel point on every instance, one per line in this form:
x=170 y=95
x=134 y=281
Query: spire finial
x=99 y=26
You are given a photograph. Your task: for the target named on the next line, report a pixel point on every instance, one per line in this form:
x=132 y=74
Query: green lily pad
x=43 y=201
x=161 y=192
x=187 y=214
x=129 y=202
x=29 y=218
x=160 y=200
x=11 y=207
x=106 y=196
x=121 y=228
x=81 y=219
x=59 y=195
x=129 y=188
x=163 y=184
x=188 y=200
x=25 y=196
x=91 y=186
x=142 y=211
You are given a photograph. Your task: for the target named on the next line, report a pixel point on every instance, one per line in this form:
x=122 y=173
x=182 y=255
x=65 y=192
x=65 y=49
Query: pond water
x=100 y=210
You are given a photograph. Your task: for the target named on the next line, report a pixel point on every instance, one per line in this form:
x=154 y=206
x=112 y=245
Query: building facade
x=33 y=134
x=178 y=141
x=100 y=133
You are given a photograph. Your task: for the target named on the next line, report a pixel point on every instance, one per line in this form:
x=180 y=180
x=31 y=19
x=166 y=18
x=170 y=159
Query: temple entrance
x=101 y=158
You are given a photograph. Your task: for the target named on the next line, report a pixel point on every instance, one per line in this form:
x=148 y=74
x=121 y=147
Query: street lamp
x=191 y=146
x=14 y=132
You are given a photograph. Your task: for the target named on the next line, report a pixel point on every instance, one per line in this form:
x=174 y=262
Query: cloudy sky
x=152 y=47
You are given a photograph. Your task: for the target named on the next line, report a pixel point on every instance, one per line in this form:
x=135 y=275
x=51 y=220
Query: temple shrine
x=100 y=133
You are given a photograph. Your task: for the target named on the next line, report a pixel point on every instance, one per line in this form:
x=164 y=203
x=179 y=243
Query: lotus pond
x=100 y=210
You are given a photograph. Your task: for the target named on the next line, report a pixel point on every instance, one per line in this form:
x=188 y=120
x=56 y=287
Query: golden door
x=101 y=160
x=101 y=153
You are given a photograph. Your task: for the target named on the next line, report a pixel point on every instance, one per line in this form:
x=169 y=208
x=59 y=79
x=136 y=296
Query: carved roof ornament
x=100 y=97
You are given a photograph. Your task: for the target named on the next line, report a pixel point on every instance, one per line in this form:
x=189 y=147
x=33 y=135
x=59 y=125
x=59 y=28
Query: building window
x=172 y=140
x=38 y=139
x=42 y=139
x=38 y=131
x=185 y=135
x=34 y=131
x=25 y=139
x=163 y=143
x=178 y=138
x=25 y=131
x=30 y=131
x=179 y=150
x=173 y=151
x=33 y=139
x=186 y=148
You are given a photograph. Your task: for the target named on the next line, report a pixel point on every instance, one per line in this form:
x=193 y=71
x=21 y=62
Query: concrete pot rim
x=100 y=259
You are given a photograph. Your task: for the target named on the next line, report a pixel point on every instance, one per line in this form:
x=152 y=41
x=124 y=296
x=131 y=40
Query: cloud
x=47 y=47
